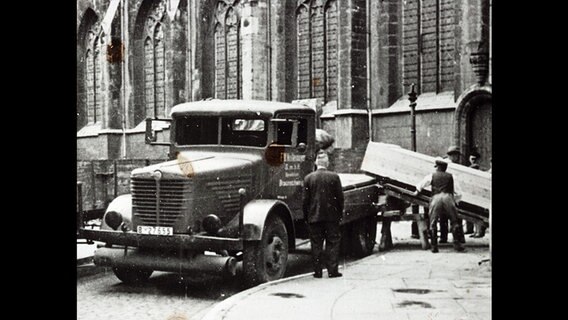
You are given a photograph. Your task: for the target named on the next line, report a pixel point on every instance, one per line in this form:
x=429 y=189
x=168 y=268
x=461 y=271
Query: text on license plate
x=165 y=231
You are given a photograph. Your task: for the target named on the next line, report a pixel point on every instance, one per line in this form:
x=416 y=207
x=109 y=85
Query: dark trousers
x=442 y=207
x=330 y=232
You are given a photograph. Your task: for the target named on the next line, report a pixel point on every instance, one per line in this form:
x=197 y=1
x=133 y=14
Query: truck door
x=295 y=135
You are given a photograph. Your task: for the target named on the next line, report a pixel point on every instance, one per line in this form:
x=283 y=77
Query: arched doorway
x=481 y=132
x=474 y=125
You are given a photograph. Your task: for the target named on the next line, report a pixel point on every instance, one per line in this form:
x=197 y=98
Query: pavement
x=405 y=282
x=85 y=254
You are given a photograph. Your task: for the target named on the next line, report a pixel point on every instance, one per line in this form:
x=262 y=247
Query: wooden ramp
x=398 y=170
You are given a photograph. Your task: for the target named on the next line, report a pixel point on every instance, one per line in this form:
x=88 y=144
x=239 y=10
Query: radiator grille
x=162 y=209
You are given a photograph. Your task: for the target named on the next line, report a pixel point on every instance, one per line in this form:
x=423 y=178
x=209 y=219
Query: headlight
x=211 y=224
x=113 y=219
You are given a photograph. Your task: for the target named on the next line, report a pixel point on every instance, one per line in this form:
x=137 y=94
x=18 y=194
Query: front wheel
x=132 y=276
x=266 y=260
x=363 y=234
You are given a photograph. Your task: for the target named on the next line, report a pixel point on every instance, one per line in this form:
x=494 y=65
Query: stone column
x=254 y=48
x=351 y=115
x=472 y=37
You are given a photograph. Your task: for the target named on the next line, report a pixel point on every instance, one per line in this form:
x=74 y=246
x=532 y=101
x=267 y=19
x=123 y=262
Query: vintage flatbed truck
x=231 y=191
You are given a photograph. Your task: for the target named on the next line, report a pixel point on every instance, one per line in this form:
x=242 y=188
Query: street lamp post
x=412 y=98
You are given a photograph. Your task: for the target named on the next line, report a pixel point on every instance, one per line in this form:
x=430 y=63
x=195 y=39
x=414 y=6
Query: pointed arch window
x=428 y=44
x=317 y=43
x=228 y=56
x=155 y=63
x=93 y=76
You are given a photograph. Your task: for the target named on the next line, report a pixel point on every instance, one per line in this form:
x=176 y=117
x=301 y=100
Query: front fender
x=123 y=205
x=257 y=211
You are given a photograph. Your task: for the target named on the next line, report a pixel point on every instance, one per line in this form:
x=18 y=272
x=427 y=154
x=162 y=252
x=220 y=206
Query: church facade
x=355 y=61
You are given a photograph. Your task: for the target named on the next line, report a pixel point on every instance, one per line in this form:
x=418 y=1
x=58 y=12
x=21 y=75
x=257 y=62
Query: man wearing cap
x=323 y=210
x=479 y=227
x=453 y=155
x=442 y=203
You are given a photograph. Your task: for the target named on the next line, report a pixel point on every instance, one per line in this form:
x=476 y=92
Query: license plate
x=163 y=231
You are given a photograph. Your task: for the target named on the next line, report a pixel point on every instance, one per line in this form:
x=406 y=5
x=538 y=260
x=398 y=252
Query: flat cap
x=440 y=162
x=453 y=149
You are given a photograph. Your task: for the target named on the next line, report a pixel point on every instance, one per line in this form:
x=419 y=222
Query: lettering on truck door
x=291 y=131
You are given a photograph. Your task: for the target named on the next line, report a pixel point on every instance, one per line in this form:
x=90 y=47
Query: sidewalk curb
x=220 y=310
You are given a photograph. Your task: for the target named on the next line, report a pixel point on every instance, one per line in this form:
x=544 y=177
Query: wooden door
x=480 y=135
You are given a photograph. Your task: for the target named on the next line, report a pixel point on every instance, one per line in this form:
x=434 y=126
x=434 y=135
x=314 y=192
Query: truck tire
x=266 y=260
x=363 y=234
x=132 y=276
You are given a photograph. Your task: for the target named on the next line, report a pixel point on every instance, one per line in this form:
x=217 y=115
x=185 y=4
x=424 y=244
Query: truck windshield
x=238 y=131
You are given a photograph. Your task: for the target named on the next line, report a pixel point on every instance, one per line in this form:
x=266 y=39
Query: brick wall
x=434 y=130
x=347 y=160
x=102 y=146
x=410 y=41
x=359 y=55
x=136 y=148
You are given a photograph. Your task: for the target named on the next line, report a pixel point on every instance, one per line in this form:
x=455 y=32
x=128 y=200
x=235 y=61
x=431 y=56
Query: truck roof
x=258 y=107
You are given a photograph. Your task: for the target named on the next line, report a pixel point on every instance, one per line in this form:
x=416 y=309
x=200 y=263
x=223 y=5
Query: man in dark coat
x=323 y=209
x=442 y=203
x=454 y=156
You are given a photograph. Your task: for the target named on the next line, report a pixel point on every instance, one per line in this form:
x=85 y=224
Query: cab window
x=244 y=132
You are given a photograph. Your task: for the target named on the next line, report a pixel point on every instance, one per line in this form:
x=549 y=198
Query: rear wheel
x=363 y=234
x=131 y=275
x=266 y=260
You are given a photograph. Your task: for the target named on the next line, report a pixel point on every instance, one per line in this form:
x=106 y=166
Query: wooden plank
x=408 y=167
x=355 y=180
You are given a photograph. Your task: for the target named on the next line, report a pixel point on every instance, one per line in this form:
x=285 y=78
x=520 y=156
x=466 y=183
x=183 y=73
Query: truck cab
x=232 y=186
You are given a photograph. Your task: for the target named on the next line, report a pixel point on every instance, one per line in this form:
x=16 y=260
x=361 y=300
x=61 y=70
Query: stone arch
x=84 y=8
x=474 y=105
x=152 y=22
x=88 y=19
x=219 y=29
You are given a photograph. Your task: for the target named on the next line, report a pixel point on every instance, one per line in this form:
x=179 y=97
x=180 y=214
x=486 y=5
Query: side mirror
x=151 y=136
x=302 y=147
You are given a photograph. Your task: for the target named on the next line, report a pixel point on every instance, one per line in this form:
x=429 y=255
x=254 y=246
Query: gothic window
x=317 y=29
x=228 y=57
x=428 y=44
x=304 y=74
x=220 y=61
x=331 y=30
x=93 y=76
x=154 y=63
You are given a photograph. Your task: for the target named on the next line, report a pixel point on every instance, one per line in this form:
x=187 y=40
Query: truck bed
x=360 y=191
